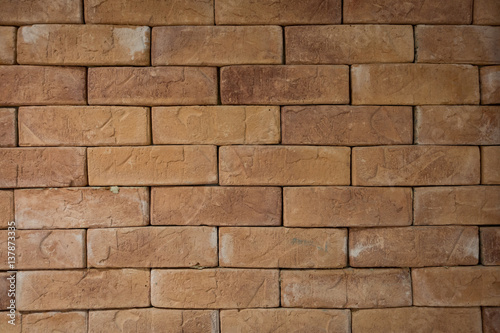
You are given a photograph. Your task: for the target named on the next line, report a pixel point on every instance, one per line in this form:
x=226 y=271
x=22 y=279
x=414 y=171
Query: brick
x=152 y=247
x=74 y=321
x=285 y=320
x=457 y=44
x=417 y=319
x=490 y=252
x=217 y=45
x=5 y=286
x=282 y=165
x=42 y=167
x=9 y=328
x=150 y=12
x=490 y=160
x=218 y=125
x=276 y=12
x=490 y=85
x=282 y=247
x=7 y=45
x=216 y=206
x=83 y=126
x=486 y=12
x=346 y=288
x=347 y=125
x=8 y=127
x=414 y=246
x=285 y=85
x=153 y=165
x=414 y=84
x=214 y=288
x=407 y=12
x=83 y=45
x=346 y=206
x=415 y=165
x=159 y=85
x=15 y=12
x=42 y=85
x=478 y=205
x=82 y=208
x=153 y=320
x=491 y=320
x=457 y=125
x=82 y=289
x=6 y=208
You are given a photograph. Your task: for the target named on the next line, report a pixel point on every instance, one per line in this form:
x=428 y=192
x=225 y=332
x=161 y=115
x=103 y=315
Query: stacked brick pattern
x=251 y=166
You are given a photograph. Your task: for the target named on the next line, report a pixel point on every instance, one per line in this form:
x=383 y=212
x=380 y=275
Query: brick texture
x=490 y=85
x=8 y=127
x=16 y=12
x=6 y=208
x=486 y=12
x=490 y=252
x=7 y=45
x=491 y=320
x=490 y=158
x=73 y=321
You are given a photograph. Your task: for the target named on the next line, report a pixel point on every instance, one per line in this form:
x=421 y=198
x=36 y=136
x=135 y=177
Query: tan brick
x=490 y=251
x=152 y=165
x=286 y=165
x=490 y=85
x=217 y=45
x=74 y=321
x=6 y=208
x=8 y=127
x=457 y=205
x=82 y=207
x=82 y=289
x=152 y=247
x=84 y=45
x=346 y=206
x=417 y=319
x=150 y=12
x=42 y=167
x=285 y=320
x=256 y=247
x=408 y=12
x=414 y=246
x=83 y=126
x=456 y=286
x=15 y=12
x=9 y=328
x=153 y=320
x=284 y=85
x=346 y=288
x=486 y=12
x=490 y=160
x=216 y=206
x=42 y=85
x=7 y=45
x=415 y=165
x=7 y=288
x=491 y=320
x=347 y=125
x=214 y=288
x=218 y=125
x=414 y=84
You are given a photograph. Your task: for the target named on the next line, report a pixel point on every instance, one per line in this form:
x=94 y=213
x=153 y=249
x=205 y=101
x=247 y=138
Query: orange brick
x=216 y=206
x=84 y=45
x=217 y=45
x=152 y=165
x=346 y=288
x=74 y=321
x=214 y=288
x=490 y=251
x=7 y=45
x=15 y=12
x=487 y=12
x=284 y=165
x=414 y=84
x=5 y=285
x=8 y=127
x=491 y=320
x=490 y=160
x=284 y=85
x=490 y=85
x=9 y=328
x=42 y=167
x=347 y=125
x=415 y=165
x=6 y=208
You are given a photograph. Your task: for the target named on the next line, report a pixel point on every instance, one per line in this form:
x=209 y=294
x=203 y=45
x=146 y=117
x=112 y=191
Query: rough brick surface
x=8 y=328
x=490 y=160
x=15 y=12
x=7 y=45
x=5 y=286
x=490 y=85
x=74 y=321
x=8 y=127
x=486 y=12
x=6 y=208
x=491 y=320
x=490 y=251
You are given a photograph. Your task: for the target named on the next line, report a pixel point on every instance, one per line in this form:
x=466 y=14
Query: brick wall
x=251 y=166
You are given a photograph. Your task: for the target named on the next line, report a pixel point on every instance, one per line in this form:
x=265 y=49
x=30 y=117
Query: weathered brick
x=152 y=247
x=6 y=208
x=42 y=167
x=9 y=328
x=347 y=125
x=216 y=206
x=219 y=125
x=158 y=85
x=346 y=288
x=456 y=286
x=5 y=286
x=84 y=45
x=82 y=207
x=415 y=165
x=414 y=246
x=150 y=12
x=289 y=12
x=490 y=160
x=457 y=205
x=490 y=85
x=284 y=85
x=284 y=165
x=82 y=289
x=214 y=288
x=74 y=321
x=8 y=127
x=346 y=206
x=282 y=247
x=83 y=126
x=7 y=45
x=42 y=85
x=414 y=84
x=490 y=251
x=15 y=12
x=486 y=12
x=491 y=320
x=217 y=45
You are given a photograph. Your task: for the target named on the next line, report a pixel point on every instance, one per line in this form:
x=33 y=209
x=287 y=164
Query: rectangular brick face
x=6 y=208
x=491 y=319
x=284 y=85
x=8 y=127
x=260 y=165
x=16 y=12
x=7 y=45
x=490 y=160
x=490 y=251
x=486 y=12
x=490 y=85
x=73 y=321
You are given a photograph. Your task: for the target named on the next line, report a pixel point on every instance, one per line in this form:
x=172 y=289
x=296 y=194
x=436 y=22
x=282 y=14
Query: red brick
x=490 y=160
x=74 y=321
x=491 y=320
x=8 y=127
x=6 y=208
x=15 y=12
x=487 y=12
x=7 y=45
x=490 y=85
x=490 y=251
